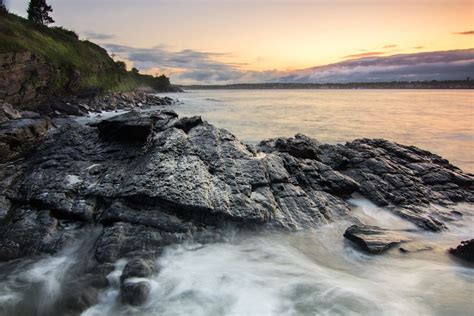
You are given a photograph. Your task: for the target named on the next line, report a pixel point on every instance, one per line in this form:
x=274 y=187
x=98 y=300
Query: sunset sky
x=263 y=35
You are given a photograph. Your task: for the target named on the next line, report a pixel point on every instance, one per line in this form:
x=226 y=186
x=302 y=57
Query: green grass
x=63 y=49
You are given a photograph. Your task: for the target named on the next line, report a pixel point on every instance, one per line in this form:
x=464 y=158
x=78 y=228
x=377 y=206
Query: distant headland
x=468 y=83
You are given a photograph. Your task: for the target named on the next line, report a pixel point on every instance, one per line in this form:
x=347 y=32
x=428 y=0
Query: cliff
x=39 y=62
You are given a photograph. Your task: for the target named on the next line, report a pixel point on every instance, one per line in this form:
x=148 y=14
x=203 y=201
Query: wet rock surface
x=149 y=180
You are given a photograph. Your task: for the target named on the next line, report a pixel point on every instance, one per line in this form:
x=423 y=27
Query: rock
x=133 y=290
x=187 y=123
x=67 y=108
x=373 y=239
x=150 y=180
x=7 y=112
x=300 y=146
x=464 y=251
x=153 y=180
x=124 y=240
x=405 y=179
x=414 y=247
x=25 y=78
x=19 y=135
x=137 y=268
x=134 y=293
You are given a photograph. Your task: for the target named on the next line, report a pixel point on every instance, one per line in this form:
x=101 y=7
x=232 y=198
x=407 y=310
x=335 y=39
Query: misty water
x=312 y=272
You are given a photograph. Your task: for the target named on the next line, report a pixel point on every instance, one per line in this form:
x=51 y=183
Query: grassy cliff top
x=64 y=50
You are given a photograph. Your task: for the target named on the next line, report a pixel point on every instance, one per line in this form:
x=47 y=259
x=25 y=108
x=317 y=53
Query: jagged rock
x=464 y=251
x=373 y=239
x=401 y=178
x=189 y=174
x=180 y=178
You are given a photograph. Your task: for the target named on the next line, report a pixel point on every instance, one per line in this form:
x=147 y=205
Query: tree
x=121 y=66
x=38 y=12
x=3 y=8
x=135 y=71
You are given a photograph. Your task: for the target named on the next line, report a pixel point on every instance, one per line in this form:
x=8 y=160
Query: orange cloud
x=390 y=46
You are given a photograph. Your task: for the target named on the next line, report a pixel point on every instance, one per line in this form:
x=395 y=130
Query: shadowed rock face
x=151 y=180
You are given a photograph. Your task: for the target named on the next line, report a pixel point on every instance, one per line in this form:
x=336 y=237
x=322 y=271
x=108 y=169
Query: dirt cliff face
x=25 y=78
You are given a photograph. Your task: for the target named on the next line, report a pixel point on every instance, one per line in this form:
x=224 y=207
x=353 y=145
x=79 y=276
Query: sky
x=214 y=41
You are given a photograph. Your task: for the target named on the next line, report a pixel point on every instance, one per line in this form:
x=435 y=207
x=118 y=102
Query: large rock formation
x=150 y=180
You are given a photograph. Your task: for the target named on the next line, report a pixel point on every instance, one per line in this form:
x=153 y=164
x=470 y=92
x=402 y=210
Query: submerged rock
x=373 y=239
x=464 y=251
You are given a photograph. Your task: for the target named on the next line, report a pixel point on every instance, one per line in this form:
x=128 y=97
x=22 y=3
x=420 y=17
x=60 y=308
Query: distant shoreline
x=447 y=84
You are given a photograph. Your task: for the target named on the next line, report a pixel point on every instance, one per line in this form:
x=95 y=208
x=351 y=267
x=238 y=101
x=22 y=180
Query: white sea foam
x=307 y=273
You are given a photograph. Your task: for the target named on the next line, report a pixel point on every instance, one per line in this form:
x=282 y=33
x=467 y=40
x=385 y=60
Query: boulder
x=134 y=293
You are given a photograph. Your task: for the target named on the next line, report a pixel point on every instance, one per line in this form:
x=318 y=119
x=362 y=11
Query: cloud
x=200 y=67
x=362 y=55
x=443 y=65
x=97 y=36
x=189 y=66
x=464 y=33
x=418 y=47
x=390 y=46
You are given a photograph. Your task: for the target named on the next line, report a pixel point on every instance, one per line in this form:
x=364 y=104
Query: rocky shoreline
x=143 y=181
x=80 y=105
